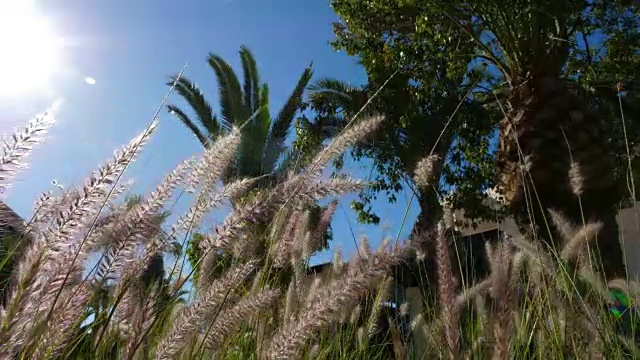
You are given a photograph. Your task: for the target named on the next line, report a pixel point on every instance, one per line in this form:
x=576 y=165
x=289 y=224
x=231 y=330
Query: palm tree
x=553 y=151
x=262 y=152
x=263 y=137
x=531 y=49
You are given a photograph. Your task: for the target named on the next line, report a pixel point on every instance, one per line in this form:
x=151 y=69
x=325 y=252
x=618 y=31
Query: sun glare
x=31 y=52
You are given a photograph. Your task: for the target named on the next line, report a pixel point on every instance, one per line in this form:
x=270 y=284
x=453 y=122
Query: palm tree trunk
x=423 y=271
x=546 y=131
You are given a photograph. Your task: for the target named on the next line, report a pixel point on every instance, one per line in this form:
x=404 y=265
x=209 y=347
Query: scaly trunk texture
x=422 y=272
x=532 y=137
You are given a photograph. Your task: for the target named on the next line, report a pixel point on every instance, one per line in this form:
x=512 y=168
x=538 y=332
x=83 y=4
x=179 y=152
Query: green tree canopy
x=437 y=49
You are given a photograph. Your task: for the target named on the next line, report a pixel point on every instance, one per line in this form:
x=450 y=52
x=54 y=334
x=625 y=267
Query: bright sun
x=31 y=52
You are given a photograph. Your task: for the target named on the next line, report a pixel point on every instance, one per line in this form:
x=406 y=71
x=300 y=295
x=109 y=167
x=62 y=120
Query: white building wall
x=629 y=225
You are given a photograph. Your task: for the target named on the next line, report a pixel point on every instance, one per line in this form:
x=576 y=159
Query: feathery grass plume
x=480 y=305
x=94 y=236
x=281 y=250
x=317 y=236
x=290 y=340
x=215 y=160
x=231 y=319
x=193 y=216
x=350 y=136
x=428 y=330
x=332 y=187
x=362 y=338
x=203 y=308
x=300 y=239
x=364 y=248
x=539 y=260
x=279 y=223
x=18 y=148
x=446 y=290
x=425 y=170
x=138 y=224
x=205 y=268
x=307 y=249
x=566 y=228
x=125 y=312
x=576 y=179
x=300 y=277
x=471 y=293
x=86 y=203
x=314 y=351
x=337 y=265
x=355 y=314
x=574 y=246
x=59 y=331
x=448 y=217
x=291 y=302
x=518 y=263
x=596 y=286
x=575 y=238
x=83 y=209
x=117 y=260
x=142 y=322
x=48 y=206
x=44 y=216
x=501 y=272
x=139 y=228
x=44 y=209
x=382 y=295
x=263 y=206
x=255 y=210
x=88 y=240
x=313 y=290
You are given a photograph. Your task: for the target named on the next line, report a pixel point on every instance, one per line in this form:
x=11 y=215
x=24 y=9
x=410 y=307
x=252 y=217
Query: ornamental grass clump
x=89 y=280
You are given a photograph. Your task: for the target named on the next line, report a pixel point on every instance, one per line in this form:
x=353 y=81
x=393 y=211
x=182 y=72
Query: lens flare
x=31 y=50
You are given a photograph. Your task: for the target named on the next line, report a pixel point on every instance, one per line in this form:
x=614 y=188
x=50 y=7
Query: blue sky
x=130 y=47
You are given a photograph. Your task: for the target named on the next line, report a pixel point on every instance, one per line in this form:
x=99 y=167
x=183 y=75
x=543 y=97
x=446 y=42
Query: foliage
x=245 y=106
x=425 y=42
x=263 y=136
x=423 y=88
x=253 y=292
x=532 y=302
x=63 y=307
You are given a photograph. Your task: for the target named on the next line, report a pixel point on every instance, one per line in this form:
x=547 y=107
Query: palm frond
x=178 y=113
x=329 y=93
x=190 y=92
x=254 y=139
x=251 y=80
x=281 y=125
x=231 y=109
x=331 y=85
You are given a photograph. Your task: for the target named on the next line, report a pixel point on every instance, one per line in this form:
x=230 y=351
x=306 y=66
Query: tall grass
x=256 y=297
